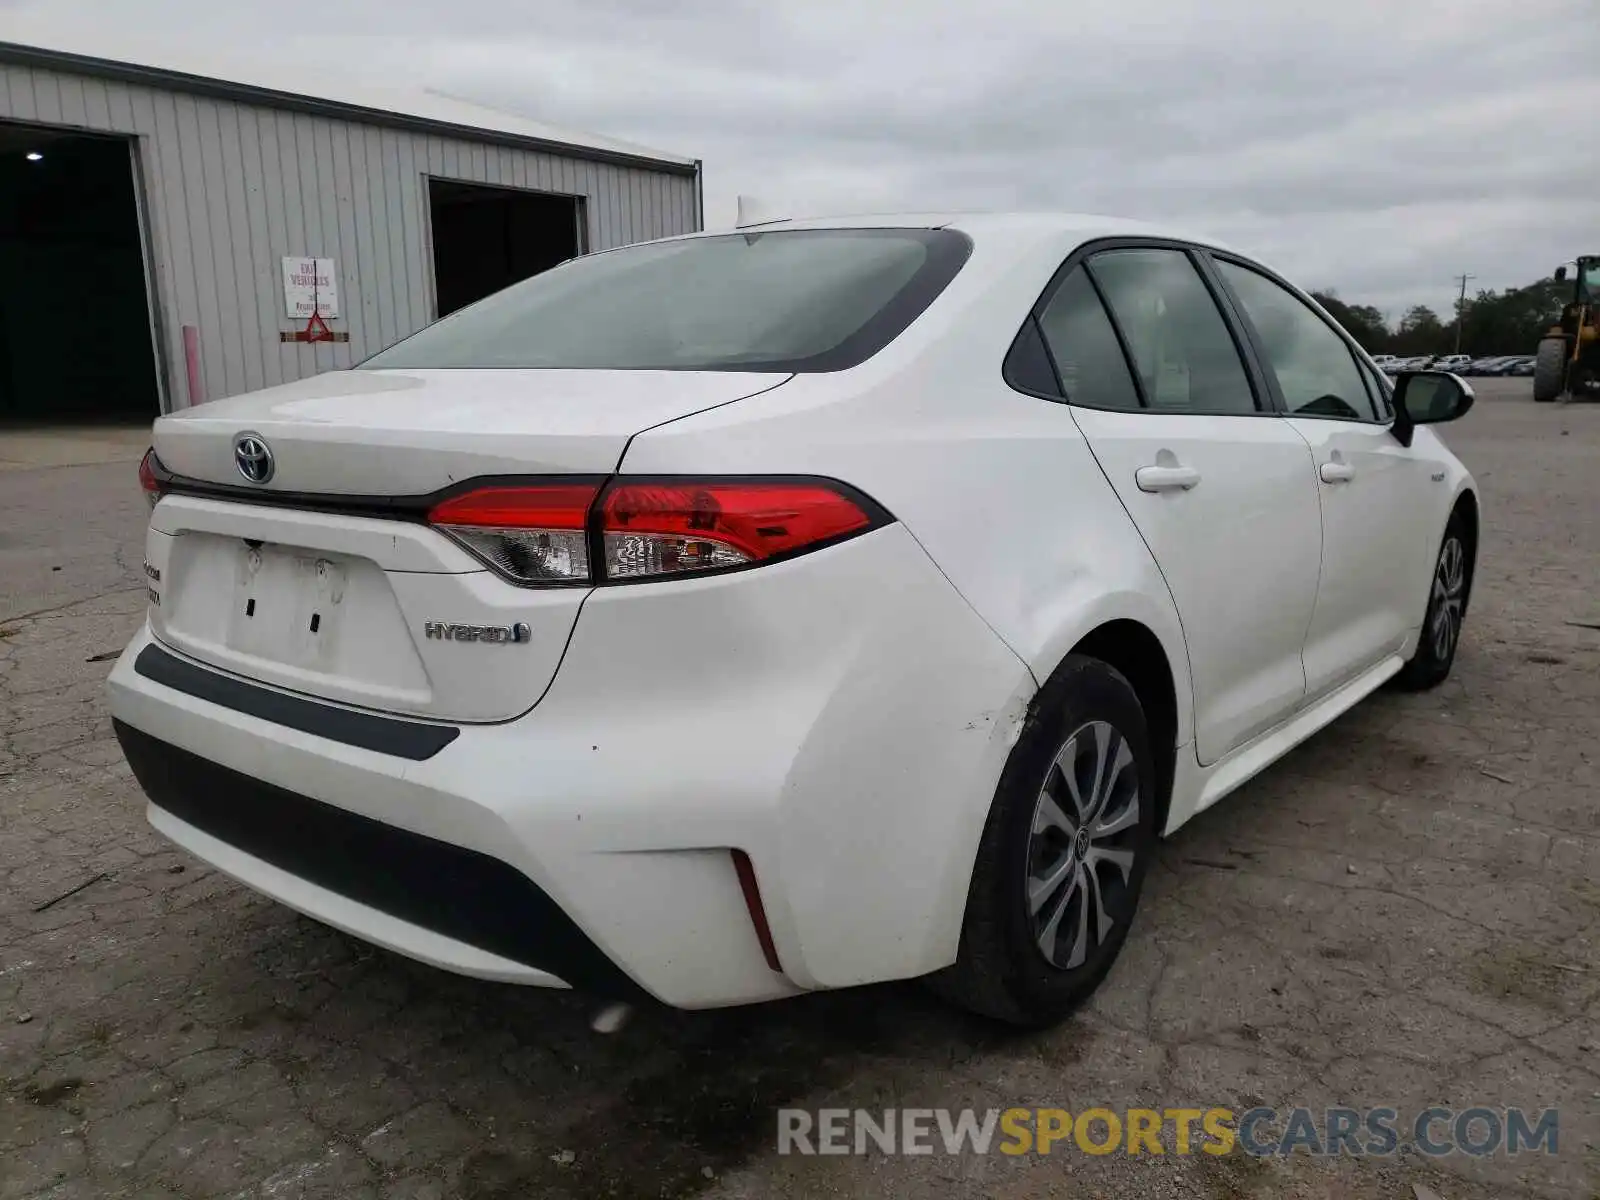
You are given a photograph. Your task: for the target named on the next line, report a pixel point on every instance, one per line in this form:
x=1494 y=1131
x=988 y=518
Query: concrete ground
x=29 y=447
x=1405 y=911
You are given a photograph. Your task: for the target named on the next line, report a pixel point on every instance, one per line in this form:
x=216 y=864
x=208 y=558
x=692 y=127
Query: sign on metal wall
x=310 y=287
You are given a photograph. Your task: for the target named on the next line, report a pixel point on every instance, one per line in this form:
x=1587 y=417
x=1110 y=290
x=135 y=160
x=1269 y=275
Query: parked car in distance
x=1383 y=360
x=1406 y=364
x=1498 y=364
x=635 y=629
x=1522 y=366
x=1453 y=363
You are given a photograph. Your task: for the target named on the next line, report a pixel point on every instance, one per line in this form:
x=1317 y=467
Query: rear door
x=1223 y=491
x=1381 y=508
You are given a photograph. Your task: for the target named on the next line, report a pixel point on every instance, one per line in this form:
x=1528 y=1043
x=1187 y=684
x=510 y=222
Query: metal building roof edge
x=21 y=54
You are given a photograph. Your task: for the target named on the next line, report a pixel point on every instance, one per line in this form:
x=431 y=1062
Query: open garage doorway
x=75 y=327
x=487 y=238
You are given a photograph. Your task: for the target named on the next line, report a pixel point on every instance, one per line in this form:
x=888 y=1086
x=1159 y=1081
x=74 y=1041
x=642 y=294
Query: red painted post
x=191 y=358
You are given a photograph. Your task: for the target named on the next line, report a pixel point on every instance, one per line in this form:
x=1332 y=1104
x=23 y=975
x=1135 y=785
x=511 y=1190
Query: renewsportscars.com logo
x=1257 y=1131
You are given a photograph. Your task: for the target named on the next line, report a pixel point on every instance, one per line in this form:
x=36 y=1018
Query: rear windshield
x=783 y=300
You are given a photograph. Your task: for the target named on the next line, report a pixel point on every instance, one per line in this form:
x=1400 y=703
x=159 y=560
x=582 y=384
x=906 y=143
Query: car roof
x=988 y=225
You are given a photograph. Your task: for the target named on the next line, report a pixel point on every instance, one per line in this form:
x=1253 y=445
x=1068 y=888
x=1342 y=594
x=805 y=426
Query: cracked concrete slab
x=1405 y=911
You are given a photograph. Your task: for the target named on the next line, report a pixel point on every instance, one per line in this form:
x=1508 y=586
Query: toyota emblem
x=253 y=457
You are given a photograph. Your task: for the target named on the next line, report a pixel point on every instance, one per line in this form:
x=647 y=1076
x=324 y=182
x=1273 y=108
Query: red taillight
x=541 y=533
x=540 y=506
x=668 y=528
x=530 y=534
x=147 y=476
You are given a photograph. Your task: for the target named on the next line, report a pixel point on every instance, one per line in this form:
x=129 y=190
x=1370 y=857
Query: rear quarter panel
x=998 y=487
x=1001 y=492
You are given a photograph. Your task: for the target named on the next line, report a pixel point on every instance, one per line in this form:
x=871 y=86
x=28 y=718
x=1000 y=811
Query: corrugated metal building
x=125 y=185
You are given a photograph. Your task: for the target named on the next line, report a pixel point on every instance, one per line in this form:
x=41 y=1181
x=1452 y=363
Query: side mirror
x=1428 y=398
x=1561 y=274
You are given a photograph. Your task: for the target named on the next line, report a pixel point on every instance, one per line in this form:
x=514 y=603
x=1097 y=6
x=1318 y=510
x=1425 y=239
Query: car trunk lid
x=327 y=581
x=409 y=433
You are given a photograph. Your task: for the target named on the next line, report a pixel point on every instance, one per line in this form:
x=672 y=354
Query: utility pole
x=1461 y=309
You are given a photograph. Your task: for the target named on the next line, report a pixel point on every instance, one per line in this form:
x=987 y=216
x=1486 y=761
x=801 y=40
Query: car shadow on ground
x=660 y=1108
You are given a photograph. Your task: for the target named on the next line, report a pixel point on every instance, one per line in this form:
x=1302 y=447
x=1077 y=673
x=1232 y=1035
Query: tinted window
x=783 y=300
x=1316 y=371
x=1027 y=366
x=1589 y=281
x=1185 y=356
x=1093 y=371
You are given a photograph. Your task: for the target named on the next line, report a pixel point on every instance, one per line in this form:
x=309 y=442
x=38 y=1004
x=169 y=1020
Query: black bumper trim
x=416 y=740
x=449 y=889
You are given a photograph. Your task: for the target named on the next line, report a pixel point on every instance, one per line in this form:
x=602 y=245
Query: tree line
x=1508 y=322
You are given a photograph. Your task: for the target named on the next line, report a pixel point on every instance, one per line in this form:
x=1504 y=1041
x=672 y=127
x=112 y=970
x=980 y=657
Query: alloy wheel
x=1449 y=593
x=1080 y=850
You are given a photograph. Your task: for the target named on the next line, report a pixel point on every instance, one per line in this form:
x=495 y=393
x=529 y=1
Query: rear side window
x=1315 y=368
x=1083 y=344
x=782 y=300
x=1186 y=358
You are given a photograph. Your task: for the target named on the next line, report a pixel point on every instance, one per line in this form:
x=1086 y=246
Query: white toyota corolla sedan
x=742 y=614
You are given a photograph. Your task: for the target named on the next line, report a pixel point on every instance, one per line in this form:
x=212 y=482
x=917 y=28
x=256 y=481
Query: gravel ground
x=1404 y=911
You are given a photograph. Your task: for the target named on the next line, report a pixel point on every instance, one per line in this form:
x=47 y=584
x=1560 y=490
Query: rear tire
x=1447 y=609
x=1063 y=855
x=1549 y=369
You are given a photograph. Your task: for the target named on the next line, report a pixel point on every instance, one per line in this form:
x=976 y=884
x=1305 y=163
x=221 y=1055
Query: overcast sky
x=1378 y=147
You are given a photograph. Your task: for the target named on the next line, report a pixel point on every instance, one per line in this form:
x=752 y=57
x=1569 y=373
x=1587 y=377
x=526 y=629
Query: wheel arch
x=1466 y=511
x=1133 y=649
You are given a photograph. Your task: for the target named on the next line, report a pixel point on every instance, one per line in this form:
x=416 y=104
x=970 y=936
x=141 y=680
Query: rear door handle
x=1166 y=479
x=1336 y=472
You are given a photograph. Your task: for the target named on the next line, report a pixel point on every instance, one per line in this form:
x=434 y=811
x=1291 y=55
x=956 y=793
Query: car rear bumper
x=386 y=883
x=840 y=719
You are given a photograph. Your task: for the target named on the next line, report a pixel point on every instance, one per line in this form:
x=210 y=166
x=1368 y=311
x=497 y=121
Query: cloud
x=1365 y=146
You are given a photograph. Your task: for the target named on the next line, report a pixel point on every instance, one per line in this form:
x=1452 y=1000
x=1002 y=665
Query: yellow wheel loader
x=1568 y=361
